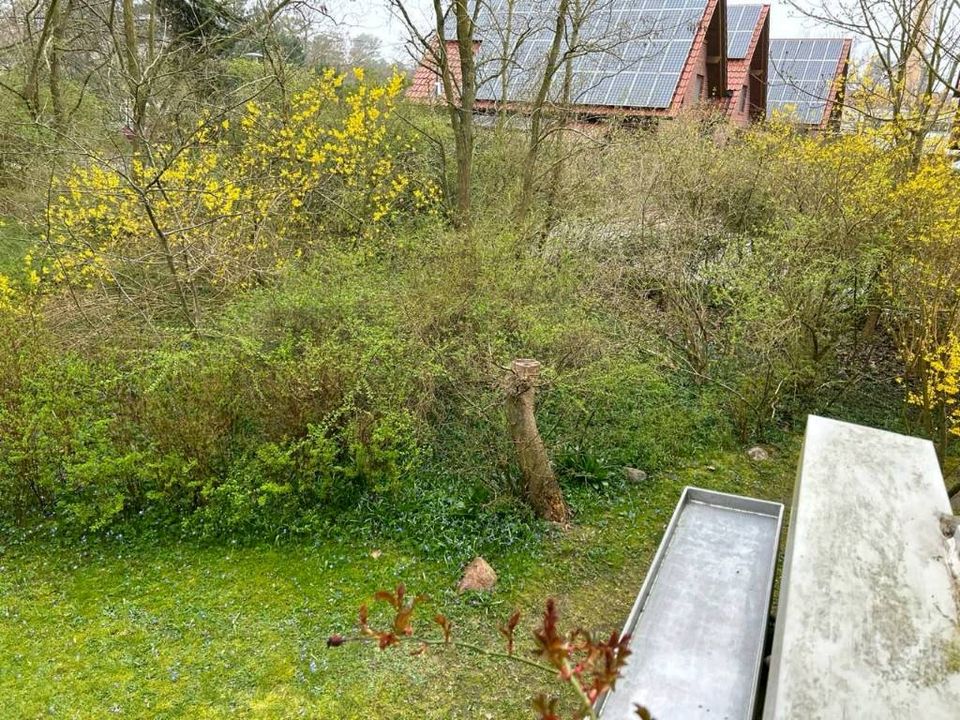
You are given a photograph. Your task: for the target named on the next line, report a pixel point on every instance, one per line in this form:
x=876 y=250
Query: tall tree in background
x=908 y=81
x=458 y=78
x=528 y=53
x=200 y=23
x=551 y=102
x=37 y=35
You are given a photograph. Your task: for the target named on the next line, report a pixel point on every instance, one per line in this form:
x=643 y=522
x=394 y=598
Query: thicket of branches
x=266 y=290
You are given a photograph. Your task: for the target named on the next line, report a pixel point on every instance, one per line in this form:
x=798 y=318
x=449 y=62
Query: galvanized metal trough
x=699 y=623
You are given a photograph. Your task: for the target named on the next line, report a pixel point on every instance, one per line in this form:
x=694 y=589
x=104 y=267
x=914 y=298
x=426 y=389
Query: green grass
x=13 y=243
x=115 y=628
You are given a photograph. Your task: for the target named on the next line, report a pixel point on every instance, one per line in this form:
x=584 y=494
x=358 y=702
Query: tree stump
x=542 y=489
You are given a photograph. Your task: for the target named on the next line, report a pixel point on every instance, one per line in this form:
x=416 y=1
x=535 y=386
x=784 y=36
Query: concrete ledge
x=867 y=616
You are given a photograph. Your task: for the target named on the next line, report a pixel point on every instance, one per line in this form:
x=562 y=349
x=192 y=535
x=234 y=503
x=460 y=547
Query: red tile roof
x=423 y=85
x=689 y=70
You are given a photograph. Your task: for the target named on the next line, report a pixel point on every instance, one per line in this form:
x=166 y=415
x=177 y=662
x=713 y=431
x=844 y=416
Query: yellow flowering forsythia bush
x=242 y=198
x=939 y=392
x=839 y=187
x=8 y=295
x=923 y=283
x=15 y=294
x=861 y=233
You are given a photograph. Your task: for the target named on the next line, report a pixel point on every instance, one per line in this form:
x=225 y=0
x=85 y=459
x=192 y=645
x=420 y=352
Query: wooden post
x=542 y=489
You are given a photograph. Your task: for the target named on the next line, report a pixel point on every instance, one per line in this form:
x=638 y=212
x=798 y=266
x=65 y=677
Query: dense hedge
x=695 y=289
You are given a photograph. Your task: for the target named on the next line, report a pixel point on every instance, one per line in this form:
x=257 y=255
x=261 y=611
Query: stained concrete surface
x=867 y=618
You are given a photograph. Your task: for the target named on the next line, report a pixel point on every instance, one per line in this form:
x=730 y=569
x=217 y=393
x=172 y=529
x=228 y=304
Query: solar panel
x=802 y=73
x=741 y=22
x=630 y=53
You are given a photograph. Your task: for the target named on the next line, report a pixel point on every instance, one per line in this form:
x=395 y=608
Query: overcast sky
x=373 y=17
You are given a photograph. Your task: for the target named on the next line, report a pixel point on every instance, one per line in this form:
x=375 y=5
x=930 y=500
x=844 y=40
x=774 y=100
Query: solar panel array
x=741 y=22
x=630 y=53
x=802 y=73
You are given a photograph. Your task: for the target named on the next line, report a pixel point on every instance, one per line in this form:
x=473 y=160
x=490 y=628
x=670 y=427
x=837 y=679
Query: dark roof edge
x=839 y=77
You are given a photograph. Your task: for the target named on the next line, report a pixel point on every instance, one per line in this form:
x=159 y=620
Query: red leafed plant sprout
x=587 y=663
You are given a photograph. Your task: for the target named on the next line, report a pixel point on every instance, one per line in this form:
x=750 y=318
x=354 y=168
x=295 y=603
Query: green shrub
x=284 y=487
x=64 y=451
x=363 y=385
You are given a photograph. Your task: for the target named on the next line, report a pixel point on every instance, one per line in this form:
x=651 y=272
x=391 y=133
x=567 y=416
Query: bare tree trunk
x=870 y=324
x=464 y=125
x=134 y=76
x=56 y=47
x=536 y=115
x=542 y=489
x=464 y=145
x=505 y=59
x=31 y=86
x=556 y=180
x=460 y=99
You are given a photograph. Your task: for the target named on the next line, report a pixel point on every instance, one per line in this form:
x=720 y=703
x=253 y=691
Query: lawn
x=176 y=629
x=13 y=242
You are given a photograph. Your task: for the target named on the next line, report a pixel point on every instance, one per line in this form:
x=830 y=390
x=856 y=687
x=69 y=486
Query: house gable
x=748 y=63
x=648 y=81
x=807 y=79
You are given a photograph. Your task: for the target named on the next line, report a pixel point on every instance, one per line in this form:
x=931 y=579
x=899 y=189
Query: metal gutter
x=698 y=625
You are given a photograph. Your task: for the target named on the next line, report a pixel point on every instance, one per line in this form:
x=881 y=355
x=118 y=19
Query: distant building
x=807 y=78
x=632 y=59
x=748 y=43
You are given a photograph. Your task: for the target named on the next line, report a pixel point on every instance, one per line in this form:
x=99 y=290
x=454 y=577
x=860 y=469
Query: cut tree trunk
x=541 y=486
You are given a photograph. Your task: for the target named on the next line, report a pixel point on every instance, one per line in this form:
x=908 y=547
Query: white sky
x=373 y=17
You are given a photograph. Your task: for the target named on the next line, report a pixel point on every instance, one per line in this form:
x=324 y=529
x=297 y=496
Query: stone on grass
x=634 y=476
x=758 y=453
x=478 y=576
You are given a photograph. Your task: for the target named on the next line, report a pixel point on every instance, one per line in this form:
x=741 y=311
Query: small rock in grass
x=477 y=576
x=758 y=453
x=634 y=476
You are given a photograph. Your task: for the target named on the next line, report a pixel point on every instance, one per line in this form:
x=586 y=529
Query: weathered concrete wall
x=867 y=617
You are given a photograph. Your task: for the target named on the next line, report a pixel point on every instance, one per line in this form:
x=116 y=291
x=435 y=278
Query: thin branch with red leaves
x=589 y=664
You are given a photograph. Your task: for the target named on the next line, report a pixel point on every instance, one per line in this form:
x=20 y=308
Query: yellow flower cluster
x=353 y=160
x=942 y=387
x=866 y=192
x=15 y=293
x=850 y=176
x=95 y=213
x=8 y=295
x=923 y=283
x=242 y=198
